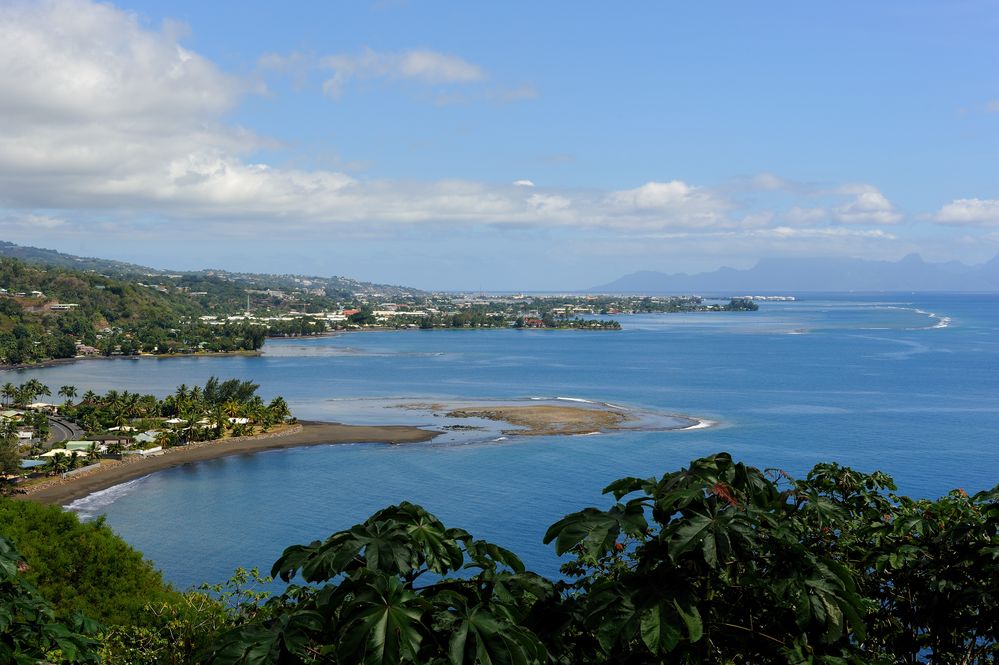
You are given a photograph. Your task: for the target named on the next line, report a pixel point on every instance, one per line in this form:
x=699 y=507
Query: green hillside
x=47 y=312
x=52 y=303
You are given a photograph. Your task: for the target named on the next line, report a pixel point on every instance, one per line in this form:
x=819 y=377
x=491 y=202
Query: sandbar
x=548 y=420
x=526 y=419
x=307 y=433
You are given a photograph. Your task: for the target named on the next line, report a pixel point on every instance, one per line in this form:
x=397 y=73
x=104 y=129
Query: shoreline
x=306 y=433
x=55 y=362
x=529 y=421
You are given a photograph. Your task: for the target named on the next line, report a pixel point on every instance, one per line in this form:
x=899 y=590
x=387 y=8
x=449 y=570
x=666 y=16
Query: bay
x=904 y=383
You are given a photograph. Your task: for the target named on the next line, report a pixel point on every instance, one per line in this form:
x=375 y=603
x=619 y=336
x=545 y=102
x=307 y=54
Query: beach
x=527 y=420
x=112 y=472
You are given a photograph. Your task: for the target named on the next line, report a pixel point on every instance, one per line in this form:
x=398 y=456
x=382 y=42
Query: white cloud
x=868 y=206
x=993 y=106
x=31 y=222
x=662 y=204
x=804 y=216
x=769 y=181
x=791 y=232
x=71 y=60
x=423 y=66
x=89 y=99
x=970 y=212
x=113 y=118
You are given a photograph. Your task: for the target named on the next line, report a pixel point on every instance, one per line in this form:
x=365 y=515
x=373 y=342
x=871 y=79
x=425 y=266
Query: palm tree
x=166 y=438
x=279 y=409
x=32 y=389
x=58 y=464
x=9 y=392
x=88 y=397
x=218 y=415
x=69 y=392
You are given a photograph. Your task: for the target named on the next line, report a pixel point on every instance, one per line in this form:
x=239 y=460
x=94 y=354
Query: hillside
x=55 y=305
x=48 y=313
x=225 y=289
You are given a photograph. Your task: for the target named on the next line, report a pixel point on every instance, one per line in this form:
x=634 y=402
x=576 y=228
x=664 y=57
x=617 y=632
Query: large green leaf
x=383 y=623
x=596 y=531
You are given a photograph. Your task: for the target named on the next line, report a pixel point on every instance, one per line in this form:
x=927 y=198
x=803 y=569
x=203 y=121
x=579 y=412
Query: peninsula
x=62 y=491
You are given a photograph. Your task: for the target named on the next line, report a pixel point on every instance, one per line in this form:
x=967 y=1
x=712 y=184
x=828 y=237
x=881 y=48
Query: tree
x=30 y=631
x=69 y=392
x=718 y=562
x=388 y=599
x=82 y=567
x=9 y=392
x=278 y=409
x=10 y=453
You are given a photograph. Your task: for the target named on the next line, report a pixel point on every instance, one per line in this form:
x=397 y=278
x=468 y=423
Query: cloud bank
x=102 y=114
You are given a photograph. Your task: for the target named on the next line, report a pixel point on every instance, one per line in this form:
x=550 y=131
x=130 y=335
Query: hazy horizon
x=498 y=148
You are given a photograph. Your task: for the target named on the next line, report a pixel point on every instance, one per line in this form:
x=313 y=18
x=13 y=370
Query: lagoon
x=904 y=383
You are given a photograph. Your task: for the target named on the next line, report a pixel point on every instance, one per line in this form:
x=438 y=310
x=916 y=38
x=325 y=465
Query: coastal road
x=63 y=430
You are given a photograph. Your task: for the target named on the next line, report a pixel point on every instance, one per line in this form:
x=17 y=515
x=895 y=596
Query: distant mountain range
x=789 y=275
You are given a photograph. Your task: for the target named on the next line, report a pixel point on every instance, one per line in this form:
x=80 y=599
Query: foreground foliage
x=715 y=563
x=82 y=567
x=718 y=562
x=30 y=631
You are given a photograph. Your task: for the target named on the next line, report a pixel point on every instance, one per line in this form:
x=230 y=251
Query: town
x=50 y=309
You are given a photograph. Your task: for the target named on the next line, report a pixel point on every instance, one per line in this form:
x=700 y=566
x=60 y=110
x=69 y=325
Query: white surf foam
x=92 y=505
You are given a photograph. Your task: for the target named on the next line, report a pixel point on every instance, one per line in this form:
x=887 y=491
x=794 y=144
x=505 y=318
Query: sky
x=499 y=146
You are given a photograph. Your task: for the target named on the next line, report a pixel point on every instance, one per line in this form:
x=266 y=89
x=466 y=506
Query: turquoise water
x=907 y=384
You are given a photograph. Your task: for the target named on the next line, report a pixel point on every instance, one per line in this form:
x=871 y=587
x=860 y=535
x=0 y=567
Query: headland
x=111 y=472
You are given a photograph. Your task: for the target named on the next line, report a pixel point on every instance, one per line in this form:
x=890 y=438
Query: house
x=148 y=436
x=59 y=451
x=84 y=446
x=43 y=406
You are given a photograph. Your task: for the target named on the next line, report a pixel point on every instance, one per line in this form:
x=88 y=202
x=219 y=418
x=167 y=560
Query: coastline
x=307 y=433
x=55 y=362
x=527 y=420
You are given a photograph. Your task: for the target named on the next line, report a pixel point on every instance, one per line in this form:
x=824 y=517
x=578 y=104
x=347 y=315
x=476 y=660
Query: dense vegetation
x=113 y=315
x=82 y=567
x=715 y=563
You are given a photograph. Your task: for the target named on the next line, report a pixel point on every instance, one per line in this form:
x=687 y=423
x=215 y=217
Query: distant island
x=911 y=273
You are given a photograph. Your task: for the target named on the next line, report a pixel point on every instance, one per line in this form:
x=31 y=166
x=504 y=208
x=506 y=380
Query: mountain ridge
x=828 y=274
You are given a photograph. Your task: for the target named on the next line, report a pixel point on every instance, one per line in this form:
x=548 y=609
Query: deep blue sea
x=904 y=383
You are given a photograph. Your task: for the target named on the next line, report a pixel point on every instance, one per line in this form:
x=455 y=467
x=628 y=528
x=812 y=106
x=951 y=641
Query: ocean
x=903 y=383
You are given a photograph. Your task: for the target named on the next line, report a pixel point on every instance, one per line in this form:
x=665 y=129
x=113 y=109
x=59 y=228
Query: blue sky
x=501 y=146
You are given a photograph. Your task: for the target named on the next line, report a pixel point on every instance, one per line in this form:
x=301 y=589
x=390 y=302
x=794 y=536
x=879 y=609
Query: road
x=63 y=430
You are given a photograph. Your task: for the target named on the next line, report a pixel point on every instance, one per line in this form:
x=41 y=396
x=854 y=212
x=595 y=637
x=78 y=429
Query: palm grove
x=718 y=562
x=216 y=410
